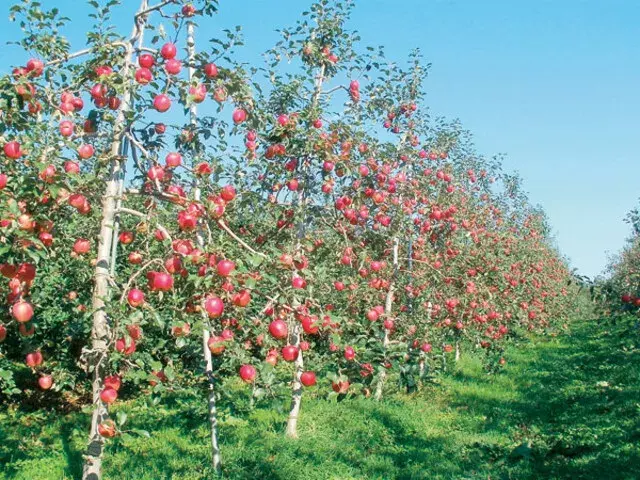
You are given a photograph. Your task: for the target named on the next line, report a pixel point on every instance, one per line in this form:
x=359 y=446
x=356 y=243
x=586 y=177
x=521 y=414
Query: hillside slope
x=563 y=408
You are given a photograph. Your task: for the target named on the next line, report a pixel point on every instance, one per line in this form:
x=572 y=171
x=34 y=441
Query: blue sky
x=555 y=85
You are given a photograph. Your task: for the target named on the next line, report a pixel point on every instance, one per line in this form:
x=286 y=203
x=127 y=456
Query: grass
x=563 y=408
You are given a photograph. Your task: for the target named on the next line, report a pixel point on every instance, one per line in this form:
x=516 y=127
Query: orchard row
x=175 y=220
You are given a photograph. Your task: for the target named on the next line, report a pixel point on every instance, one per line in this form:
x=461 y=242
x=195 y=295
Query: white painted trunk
x=296 y=387
x=296 y=390
x=100 y=331
x=216 y=461
x=388 y=309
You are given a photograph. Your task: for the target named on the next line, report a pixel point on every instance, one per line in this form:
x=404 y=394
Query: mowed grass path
x=563 y=408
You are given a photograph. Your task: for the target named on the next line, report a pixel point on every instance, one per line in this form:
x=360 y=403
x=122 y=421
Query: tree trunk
x=296 y=397
x=213 y=413
x=216 y=462
x=388 y=308
x=296 y=387
x=100 y=331
x=457 y=357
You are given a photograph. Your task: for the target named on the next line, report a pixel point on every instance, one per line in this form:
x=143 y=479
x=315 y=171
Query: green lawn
x=564 y=408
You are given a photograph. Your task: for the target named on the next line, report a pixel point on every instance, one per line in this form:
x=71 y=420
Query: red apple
x=289 y=353
x=308 y=379
x=210 y=70
x=247 y=373
x=45 y=382
x=214 y=307
x=349 y=353
x=161 y=103
x=159 y=281
x=239 y=116
x=81 y=246
x=278 y=329
x=135 y=297
x=173 y=66
x=168 y=51
x=109 y=395
x=34 y=359
x=12 y=150
x=146 y=60
x=113 y=382
x=173 y=160
x=22 y=311
x=86 y=151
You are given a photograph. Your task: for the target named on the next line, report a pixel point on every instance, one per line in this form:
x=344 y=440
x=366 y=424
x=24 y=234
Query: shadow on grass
x=575 y=408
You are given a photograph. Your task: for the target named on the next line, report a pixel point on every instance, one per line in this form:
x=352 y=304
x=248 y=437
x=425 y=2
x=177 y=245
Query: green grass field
x=563 y=408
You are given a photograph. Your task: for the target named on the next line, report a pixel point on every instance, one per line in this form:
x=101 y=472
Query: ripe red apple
x=298 y=282
x=22 y=311
x=310 y=325
x=109 y=395
x=278 y=329
x=143 y=76
x=126 y=237
x=239 y=116
x=81 y=246
x=71 y=167
x=173 y=160
x=86 y=151
x=210 y=70
x=112 y=381
x=26 y=222
x=135 y=297
x=289 y=353
x=228 y=193
x=247 y=373
x=214 y=307
x=372 y=315
x=168 y=51
x=12 y=150
x=349 y=353
x=225 y=267
x=124 y=346
x=45 y=382
x=146 y=60
x=173 y=66
x=160 y=281
x=161 y=103
x=35 y=66
x=156 y=172
x=34 y=359
x=241 y=299
x=308 y=379
x=135 y=331
x=3 y=333
x=66 y=128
